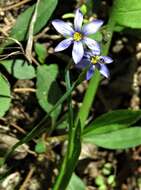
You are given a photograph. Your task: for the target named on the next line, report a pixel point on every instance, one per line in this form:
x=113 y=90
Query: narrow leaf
x=123 y=117
x=103 y=129
x=121 y=139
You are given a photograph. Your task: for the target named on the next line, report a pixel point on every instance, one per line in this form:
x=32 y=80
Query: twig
x=31 y=33
x=22 y=90
x=42 y=33
x=11 y=54
x=27 y=179
x=56 y=139
x=18 y=128
x=14 y=6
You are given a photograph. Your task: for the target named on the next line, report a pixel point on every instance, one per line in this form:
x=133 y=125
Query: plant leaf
x=5 y=98
x=71 y=158
x=120 y=139
x=40 y=147
x=47 y=88
x=127 y=13
x=19 y=68
x=76 y=183
x=41 y=52
x=45 y=10
x=103 y=129
x=124 y=117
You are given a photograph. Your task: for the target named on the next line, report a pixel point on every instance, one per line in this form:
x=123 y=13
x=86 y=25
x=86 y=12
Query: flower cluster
x=79 y=37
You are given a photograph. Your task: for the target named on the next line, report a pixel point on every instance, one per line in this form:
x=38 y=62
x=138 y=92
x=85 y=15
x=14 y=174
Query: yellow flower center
x=95 y=59
x=77 y=36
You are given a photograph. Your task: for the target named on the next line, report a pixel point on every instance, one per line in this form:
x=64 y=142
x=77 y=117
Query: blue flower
x=78 y=36
x=95 y=60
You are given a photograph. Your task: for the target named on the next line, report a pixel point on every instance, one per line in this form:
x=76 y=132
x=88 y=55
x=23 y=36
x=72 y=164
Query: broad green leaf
x=45 y=10
x=76 y=183
x=5 y=98
x=121 y=139
x=127 y=13
x=19 y=68
x=41 y=52
x=121 y=117
x=48 y=91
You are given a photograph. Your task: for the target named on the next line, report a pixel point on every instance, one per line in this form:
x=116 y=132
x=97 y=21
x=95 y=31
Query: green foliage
x=41 y=52
x=102 y=129
x=19 y=68
x=99 y=180
x=48 y=91
x=83 y=9
x=113 y=120
x=5 y=96
x=88 y=99
x=71 y=157
x=127 y=13
x=120 y=139
x=97 y=36
x=111 y=180
x=76 y=183
x=40 y=147
x=109 y=130
x=112 y=130
x=45 y=10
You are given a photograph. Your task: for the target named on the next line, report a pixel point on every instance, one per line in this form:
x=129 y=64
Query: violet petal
x=62 y=27
x=104 y=70
x=92 y=27
x=78 y=20
x=63 y=45
x=92 y=44
x=107 y=59
x=78 y=51
x=90 y=72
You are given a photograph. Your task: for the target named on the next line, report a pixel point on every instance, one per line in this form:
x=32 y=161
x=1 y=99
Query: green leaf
x=40 y=147
x=97 y=36
x=71 y=158
x=99 y=180
x=19 y=68
x=123 y=117
x=36 y=131
x=76 y=183
x=83 y=9
x=127 y=13
x=47 y=88
x=5 y=98
x=41 y=52
x=121 y=139
x=45 y=10
x=103 y=129
x=88 y=99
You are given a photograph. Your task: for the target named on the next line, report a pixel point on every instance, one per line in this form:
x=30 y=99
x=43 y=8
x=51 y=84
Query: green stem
x=70 y=110
x=94 y=82
x=88 y=98
x=62 y=181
